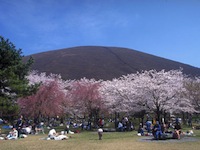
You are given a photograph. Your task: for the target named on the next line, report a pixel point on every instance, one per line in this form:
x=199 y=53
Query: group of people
x=19 y=129
x=125 y=125
x=53 y=135
x=16 y=130
x=22 y=127
x=160 y=130
x=12 y=135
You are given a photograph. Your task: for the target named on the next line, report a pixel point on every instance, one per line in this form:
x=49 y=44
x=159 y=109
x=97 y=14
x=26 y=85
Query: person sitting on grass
x=177 y=131
x=13 y=135
x=27 y=130
x=140 y=130
x=55 y=136
x=157 y=132
x=120 y=127
x=39 y=127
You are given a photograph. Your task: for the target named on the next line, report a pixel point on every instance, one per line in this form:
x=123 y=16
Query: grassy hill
x=100 y=62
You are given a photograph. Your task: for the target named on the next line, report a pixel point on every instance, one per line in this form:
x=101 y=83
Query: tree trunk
x=158 y=114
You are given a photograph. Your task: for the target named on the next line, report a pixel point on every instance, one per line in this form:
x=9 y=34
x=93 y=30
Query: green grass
x=89 y=141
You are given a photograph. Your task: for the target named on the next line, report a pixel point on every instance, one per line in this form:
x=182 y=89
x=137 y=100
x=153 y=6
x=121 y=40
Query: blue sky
x=165 y=28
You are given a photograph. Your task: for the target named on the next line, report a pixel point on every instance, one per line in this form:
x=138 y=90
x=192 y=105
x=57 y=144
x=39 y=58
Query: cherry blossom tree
x=120 y=95
x=192 y=86
x=161 y=91
x=154 y=91
x=48 y=101
x=35 y=77
x=86 y=98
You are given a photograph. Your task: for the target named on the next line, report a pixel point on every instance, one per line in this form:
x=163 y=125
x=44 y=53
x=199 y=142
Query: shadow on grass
x=184 y=139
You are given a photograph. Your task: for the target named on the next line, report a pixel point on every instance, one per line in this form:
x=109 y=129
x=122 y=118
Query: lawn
x=89 y=141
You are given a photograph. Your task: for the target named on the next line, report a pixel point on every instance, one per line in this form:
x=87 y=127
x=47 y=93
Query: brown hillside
x=102 y=62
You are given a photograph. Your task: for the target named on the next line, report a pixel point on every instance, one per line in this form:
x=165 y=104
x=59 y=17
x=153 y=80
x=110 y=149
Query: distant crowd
x=152 y=127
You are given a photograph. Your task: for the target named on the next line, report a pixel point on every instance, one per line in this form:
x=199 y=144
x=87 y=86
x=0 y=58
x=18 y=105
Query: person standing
x=19 y=125
x=190 y=121
x=100 y=133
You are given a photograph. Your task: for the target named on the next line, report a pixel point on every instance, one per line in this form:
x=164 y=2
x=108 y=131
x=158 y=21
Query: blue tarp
x=7 y=127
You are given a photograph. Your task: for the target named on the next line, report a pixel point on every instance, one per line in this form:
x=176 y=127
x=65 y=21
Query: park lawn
x=89 y=141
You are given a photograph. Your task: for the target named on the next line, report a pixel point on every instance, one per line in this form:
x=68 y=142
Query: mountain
x=100 y=62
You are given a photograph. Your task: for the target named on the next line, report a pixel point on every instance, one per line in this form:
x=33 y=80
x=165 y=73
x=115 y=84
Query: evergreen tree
x=13 y=82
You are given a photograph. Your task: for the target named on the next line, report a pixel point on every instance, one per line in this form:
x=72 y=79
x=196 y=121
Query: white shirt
x=100 y=130
x=52 y=132
x=15 y=134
